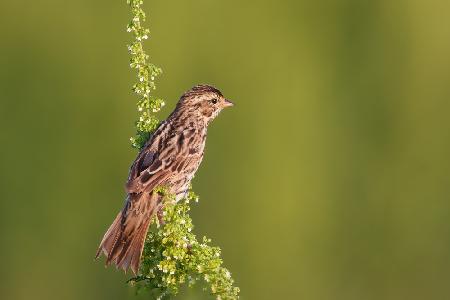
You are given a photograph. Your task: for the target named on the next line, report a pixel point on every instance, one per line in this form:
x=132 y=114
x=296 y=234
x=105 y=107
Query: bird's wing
x=161 y=158
x=168 y=152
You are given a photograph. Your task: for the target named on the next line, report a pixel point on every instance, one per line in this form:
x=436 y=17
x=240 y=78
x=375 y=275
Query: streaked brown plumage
x=170 y=158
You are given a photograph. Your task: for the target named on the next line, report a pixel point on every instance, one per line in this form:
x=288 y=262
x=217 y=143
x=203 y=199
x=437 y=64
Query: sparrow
x=169 y=159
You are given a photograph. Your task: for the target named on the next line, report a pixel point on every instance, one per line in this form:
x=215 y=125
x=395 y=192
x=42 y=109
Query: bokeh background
x=330 y=178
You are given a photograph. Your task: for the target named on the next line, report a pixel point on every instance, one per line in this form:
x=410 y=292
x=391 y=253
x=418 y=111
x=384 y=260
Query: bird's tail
x=123 y=243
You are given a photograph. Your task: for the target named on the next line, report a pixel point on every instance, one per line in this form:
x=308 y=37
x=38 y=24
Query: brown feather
x=170 y=158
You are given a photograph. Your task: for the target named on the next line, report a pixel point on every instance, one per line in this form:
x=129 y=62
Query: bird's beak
x=227 y=103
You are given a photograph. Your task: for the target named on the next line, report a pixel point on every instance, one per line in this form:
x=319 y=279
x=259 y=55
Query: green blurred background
x=328 y=180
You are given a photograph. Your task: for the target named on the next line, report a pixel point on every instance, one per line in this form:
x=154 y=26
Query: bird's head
x=205 y=101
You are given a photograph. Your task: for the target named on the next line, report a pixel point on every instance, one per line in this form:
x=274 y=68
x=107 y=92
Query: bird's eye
x=214 y=101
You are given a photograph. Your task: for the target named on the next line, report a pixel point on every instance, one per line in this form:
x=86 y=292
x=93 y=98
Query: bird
x=169 y=159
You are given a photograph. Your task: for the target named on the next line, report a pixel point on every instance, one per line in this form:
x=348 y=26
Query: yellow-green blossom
x=172 y=255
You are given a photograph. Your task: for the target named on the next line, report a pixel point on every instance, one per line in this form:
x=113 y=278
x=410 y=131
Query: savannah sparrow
x=170 y=158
